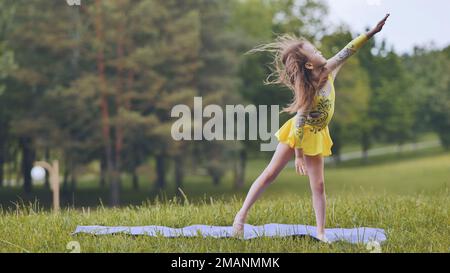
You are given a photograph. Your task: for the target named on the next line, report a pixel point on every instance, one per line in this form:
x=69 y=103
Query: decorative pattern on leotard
x=319 y=117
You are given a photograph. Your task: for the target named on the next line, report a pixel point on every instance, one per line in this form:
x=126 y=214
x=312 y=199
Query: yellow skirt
x=314 y=143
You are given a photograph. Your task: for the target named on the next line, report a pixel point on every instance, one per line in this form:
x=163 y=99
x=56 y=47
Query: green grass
x=411 y=173
x=406 y=195
x=413 y=224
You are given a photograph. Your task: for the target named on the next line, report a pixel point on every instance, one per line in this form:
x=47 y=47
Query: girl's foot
x=238 y=225
x=323 y=238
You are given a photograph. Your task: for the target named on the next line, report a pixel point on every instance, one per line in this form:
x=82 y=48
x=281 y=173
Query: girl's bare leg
x=314 y=166
x=282 y=155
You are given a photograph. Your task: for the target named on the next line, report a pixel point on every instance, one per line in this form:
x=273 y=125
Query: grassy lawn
x=413 y=224
x=408 y=196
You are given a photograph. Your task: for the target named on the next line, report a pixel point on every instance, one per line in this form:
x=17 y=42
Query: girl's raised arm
x=336 y=62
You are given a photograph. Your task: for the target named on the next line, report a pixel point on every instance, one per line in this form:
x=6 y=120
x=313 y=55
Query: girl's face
x=315 y=58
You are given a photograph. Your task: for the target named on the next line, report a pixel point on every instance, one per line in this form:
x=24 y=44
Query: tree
x=392 y=108
x=7 y=66
x=35 y=74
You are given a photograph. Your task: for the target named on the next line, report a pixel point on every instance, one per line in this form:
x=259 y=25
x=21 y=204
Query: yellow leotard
x=312 y=135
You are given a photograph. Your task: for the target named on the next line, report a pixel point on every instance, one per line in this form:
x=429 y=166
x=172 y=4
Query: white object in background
x=38 y=173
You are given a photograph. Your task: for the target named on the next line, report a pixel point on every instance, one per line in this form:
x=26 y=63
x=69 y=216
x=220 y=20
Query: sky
x=412 y=22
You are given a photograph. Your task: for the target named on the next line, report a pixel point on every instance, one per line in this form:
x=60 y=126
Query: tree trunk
x=399 y=148
x=112 y=177
x=243 y=161
x=4 y=128
x=15 y=169
x=2 y=160
x=73 y=182
x=103 y=172
x=47 y=175
x=135 y=179
x=236 y=174
x=178 y=160
x=119 y=135
x=216 y=180
x=28 y=156
x=7 y=171
x=160 y=171
x=16 y=166
x=115 y=188
x=240 y=169
x=336 y=148
x=65 y=185
x=365 y=143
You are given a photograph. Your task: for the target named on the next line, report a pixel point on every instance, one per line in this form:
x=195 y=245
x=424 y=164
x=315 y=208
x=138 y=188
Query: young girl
x=303 y=69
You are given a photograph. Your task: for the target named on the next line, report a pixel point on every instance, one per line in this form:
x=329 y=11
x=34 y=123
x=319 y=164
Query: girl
x=303 y=69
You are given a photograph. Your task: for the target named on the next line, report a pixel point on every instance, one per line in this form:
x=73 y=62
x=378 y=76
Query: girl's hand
x=379 y=26
x=300 y=166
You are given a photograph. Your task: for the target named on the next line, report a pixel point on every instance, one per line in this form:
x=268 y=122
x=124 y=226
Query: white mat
x=352 y=235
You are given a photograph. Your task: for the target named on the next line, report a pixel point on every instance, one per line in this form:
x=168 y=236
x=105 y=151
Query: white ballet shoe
x=238 y=229
x=238 y=226
x=323 y=238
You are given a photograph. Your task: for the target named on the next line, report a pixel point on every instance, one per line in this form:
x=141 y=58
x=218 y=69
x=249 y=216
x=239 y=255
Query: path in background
x=383 y=150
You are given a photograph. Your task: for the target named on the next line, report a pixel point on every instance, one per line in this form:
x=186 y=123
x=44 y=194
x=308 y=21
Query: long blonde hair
x=289 y=70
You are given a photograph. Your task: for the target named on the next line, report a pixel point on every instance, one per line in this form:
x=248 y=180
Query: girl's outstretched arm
x=336 y=62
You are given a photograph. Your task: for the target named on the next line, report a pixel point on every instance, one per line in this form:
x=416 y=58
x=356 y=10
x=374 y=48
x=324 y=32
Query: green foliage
x=430 y=90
